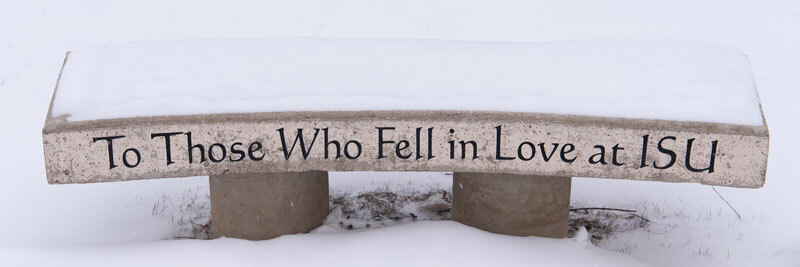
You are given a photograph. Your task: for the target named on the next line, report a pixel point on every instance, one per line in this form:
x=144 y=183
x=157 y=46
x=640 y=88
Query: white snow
x=111 y=224
x=418 y=244
x=646 y=79
x=356 y=182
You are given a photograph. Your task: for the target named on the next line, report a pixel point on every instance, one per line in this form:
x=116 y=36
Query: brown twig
x=726 y=202
x=613 y=209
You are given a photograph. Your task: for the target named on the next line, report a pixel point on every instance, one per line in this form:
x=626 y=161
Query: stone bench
x=267 y=119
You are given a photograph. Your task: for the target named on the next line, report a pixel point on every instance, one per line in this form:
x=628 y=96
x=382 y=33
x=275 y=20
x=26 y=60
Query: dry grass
x=604 y=222
x=190 y=211
x=384 y=207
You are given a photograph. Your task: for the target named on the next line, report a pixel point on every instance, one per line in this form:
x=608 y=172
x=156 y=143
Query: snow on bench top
x=666 y=80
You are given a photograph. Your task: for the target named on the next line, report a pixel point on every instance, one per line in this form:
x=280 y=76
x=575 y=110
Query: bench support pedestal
x=268 y=205
x=511 y=204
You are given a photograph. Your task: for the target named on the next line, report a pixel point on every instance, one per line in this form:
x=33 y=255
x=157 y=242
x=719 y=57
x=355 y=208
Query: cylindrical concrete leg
x=268 y=205
x=511 y=204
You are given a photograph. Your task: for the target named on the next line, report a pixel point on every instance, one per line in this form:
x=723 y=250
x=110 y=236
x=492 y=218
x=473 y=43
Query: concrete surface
x=532 y=144
x=521 y=205
x=268 y=205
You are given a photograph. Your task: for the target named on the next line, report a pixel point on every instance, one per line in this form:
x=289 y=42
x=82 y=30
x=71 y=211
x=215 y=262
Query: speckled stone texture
x=521 y=205
x=529 y=144
x=268 y=205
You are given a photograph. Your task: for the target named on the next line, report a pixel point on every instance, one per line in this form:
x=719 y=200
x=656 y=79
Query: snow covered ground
x=142 y=222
